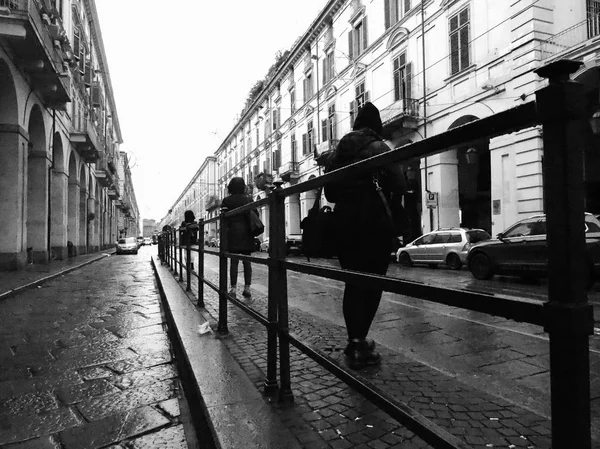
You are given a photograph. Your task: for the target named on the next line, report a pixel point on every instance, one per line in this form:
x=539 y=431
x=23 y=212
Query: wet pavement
x=482 y=378
x=86 y=359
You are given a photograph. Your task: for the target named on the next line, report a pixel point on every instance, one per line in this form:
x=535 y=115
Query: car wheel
x=135 y=252
x=453 y=262
x=405 y=260
x=481 y=266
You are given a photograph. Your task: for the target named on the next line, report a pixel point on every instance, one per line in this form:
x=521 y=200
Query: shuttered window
x=459 y=41
x=358 y=39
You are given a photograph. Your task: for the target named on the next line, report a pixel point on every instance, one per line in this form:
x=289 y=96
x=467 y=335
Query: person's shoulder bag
x=257 y=227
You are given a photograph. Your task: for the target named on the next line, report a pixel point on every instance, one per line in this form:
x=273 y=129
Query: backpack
x=318 y=231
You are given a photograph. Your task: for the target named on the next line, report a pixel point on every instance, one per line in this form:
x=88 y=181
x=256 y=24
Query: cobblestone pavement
x=86 y=363
x=333 y=415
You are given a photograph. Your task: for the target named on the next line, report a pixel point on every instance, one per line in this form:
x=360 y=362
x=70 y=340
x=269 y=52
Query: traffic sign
x=431 y=199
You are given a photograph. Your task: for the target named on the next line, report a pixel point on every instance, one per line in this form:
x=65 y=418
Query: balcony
x=212 y=203
x=289 y=171
x=113 y=192
x=85 y=140
x=103 y=173
x=572 y=39
x=402 y=114
x=33 y=32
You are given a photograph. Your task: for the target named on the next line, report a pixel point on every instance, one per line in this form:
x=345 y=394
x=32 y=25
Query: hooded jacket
x=356 y=199
x=239 y=238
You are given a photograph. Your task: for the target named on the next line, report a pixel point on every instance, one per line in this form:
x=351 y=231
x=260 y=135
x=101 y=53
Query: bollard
x=278 y=297
x=568 y=316
x=222 y=327
x=201 y=265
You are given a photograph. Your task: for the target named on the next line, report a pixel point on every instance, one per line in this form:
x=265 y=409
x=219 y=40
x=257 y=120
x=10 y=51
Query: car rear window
x=592 y=226
x=442 y=237
x=455 y=237
x=477 y=236
x=121 y=240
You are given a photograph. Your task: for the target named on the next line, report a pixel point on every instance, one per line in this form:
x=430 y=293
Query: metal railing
x=572 y=36
x=567 y=317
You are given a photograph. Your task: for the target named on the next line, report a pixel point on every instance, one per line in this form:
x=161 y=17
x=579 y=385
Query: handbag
x=256 y=225
x=318 y=230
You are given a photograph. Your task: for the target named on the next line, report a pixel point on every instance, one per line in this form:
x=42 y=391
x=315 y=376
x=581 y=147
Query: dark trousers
x=360 y=302
x=233 y=270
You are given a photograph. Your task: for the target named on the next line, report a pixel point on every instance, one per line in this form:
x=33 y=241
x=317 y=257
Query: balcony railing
x=571 y=37
x=103 y=173
x=85 y=140
x=289 y=171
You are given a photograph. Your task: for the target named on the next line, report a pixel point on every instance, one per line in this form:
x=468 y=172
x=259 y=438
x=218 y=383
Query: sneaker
x=232 y=292
x=247 y=293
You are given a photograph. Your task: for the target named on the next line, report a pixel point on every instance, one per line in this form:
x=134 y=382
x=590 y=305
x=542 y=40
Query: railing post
x=201 y=264
x=171 y=248
x=271 y=385
x=188 y=261
x=222 y=327
x=175 y=231
x=568 y=316
x=180 y=248
x=278 y=287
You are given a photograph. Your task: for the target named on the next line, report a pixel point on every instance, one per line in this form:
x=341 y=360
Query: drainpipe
x=50 y=168
x=425 y=108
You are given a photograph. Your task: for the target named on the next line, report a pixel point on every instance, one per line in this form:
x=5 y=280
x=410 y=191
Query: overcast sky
x=181 y=72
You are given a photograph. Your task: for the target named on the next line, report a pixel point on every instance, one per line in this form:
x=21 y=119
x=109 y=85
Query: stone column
x=73 y=217
x=58 y=230
x=13 y=189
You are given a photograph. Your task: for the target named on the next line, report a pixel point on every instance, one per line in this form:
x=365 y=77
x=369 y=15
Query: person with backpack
x=188 y=236
x=360 y=209
x=239 y=235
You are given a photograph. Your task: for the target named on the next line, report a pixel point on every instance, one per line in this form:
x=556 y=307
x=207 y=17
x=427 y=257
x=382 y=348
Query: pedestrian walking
x=364 y=231
x=189 y=236
x=239 y=238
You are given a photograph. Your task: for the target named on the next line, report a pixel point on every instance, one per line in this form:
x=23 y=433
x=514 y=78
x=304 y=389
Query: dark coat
x=239 y=238
x=362 y=224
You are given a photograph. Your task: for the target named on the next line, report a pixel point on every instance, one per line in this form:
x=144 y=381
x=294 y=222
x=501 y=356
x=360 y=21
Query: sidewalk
x=15 y=282
x=326 y=413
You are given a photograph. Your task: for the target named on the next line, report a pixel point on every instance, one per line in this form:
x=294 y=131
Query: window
x=307 y=139
x=308 y=87
x=292 y=101
x=394 y=9
x=328 y=126
x=357 y=39
x=593 y=18
x=459 y=41
x=249 y=145
x=455 y=237
x=294 y=146
x=361 y=96
x=277 y=155
x=328 y=67
x=257 y=135
x=425 y=240
x=442 y=237
x=402 y=74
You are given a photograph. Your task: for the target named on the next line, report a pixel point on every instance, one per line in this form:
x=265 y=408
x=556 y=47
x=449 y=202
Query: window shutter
x=367 y=96
x=350 y=44
x=464 y=47
x=76 y=42
x=324 y=70
x=387 y=13
x=87 y=76
x=304 y=144
x=334 y=127
x=352 y=113
x=408 y=81
x=324 y=136
x=406 y=6
x=365 y=38
x=454 y=64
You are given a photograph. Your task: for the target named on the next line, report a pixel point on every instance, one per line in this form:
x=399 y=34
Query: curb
x=22 y=288
x=234 y=410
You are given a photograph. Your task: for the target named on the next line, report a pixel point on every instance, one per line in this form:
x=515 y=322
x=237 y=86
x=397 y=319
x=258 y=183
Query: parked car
x=264 y=245
x=521 y=250
x=294 y=243
x=147 y=241
x=443 y=246
x=127 y=245
x=140 y=241
x=256 y=244
x=213 y=242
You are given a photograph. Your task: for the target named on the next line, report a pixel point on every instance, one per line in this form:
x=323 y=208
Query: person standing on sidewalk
x=359 y=210
x=239 y=237
x=189 y=236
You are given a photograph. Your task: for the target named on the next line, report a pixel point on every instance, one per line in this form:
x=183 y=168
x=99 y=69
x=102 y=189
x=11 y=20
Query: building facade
x=59 y=133
x=429 y=66
x=128 y=215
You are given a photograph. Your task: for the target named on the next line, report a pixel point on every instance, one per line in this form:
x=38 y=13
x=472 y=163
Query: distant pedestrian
x=239 y=237
x=189 y=236
x=360 y=211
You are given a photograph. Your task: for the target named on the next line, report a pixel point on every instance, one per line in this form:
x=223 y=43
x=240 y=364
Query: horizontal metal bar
x=249 y=310
x=254 y=259
x=426 y=429
x=214 y=252
x=245 y=207
x=511 y=120
x=215 y=287
x=522 y=309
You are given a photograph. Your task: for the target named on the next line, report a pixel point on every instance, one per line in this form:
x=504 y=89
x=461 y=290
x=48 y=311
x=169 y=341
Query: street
x=496 y=355
x=86 y=362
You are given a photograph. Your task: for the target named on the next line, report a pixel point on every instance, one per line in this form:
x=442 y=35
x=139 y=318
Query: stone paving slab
x=480 y=419
x=76 y=374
